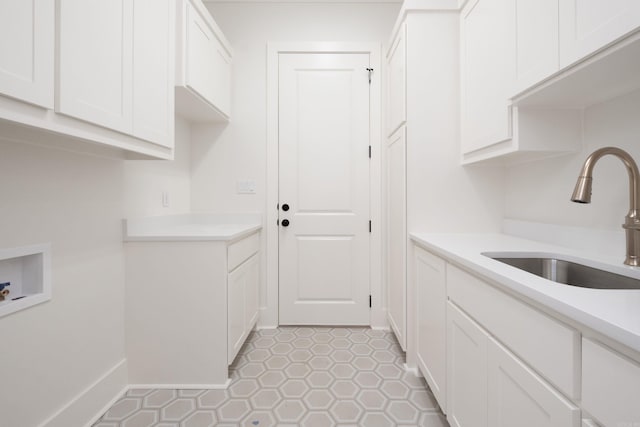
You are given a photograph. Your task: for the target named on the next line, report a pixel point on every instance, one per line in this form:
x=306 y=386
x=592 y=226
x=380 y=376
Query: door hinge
x=369 y=151
x=369 y=301
x=370 y=70
x=369 y=226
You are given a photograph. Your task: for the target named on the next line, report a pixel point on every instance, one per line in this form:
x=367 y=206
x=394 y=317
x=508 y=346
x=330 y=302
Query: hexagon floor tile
x=296 y=376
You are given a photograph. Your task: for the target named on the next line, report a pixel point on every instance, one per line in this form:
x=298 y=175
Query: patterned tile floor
x=310 y=377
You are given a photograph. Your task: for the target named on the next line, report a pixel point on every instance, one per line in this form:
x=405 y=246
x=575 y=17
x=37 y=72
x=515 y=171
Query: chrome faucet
x=582 y=194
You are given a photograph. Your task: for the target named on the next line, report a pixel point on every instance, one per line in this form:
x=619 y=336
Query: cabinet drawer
x=241 y=250
x=545 y=344
x=610 y=386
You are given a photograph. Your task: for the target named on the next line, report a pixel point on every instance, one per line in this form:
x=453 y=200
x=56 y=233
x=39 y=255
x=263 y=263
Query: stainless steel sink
x=570 y=273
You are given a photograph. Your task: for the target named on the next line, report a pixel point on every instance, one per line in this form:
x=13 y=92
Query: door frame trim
x=269 y=314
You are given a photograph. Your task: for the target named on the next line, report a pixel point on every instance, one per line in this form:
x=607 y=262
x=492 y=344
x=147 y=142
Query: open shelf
x=611 y=72
x=27 y=269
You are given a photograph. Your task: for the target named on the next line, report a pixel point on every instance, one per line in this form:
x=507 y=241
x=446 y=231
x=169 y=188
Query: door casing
x=269 y=310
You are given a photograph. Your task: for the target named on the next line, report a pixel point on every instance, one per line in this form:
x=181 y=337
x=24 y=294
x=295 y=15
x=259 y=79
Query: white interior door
x=324 y=181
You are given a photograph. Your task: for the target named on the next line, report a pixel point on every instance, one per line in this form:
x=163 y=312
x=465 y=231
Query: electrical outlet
x=246 y=186
x=165 y=199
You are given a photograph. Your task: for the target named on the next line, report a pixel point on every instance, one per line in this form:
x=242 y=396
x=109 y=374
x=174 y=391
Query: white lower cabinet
x=431 y=308
x=466 y=371
x=519 y=397
x=610 y=386
x=191 y=304
x=512 y=363
x=242 y=304
x=489 y=386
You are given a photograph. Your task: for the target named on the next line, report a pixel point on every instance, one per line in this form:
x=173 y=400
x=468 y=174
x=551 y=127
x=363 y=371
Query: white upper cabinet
x=116 y=65
x=610 y=385
x=507 y=48
x=27 y=42
x=536 y=41
x=397 y=81
x=487 y=49
x=153 y=70
x=588 y=25
x=95 y=62
x=203 y=68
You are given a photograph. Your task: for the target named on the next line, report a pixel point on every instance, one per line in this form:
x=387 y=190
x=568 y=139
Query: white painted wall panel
x=58 y=349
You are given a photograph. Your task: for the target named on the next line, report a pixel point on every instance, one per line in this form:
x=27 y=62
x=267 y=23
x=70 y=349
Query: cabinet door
x=488 y=72
x=518 y=396
x=588 y=25
x=610 y=385
x=397 y=86
x=431 y=333
x=466 y=371
x=235 y=312
x=95 y=62
x=208 y=63
x=536 y=55
x=252 y=293
x=397 y=228
x=153 y=71
x=26 y=50
x=243 y=304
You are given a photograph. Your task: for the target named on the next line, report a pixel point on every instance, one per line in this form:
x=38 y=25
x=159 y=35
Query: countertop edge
x=544 y=301
x=250 y=229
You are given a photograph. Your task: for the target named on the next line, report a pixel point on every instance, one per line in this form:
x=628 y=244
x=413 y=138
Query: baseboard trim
x=378 y=319
x=223 y=386
x=414 y=370
x=88 y=406
x=106 y=407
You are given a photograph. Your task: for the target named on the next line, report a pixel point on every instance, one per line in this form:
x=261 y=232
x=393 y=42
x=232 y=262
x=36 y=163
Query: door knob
x=285 y=222
x=285 y=207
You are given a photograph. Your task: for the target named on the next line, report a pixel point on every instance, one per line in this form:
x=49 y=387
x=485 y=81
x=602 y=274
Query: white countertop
x=613 y=313
x=191 y=227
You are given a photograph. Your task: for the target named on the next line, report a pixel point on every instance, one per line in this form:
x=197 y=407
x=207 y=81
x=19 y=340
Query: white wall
x=224 y=154
x=51 y=352
x=540 y=191
x=442 y=195
x=146 y=180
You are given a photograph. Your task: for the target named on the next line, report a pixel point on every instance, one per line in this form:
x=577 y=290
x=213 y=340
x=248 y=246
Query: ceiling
x=302 y=1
